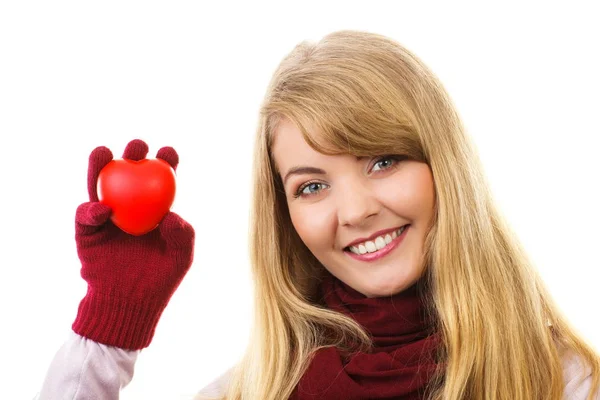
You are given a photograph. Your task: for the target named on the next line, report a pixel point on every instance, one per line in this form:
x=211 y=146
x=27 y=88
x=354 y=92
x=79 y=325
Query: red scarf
x=401 y=363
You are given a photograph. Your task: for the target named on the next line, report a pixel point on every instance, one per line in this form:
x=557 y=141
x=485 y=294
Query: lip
x=380 y=253
x=373 y=236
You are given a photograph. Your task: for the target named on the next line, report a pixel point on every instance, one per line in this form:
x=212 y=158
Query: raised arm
x=130 y=282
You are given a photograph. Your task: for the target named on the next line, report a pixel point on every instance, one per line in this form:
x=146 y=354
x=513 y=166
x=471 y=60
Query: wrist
x=117 y=322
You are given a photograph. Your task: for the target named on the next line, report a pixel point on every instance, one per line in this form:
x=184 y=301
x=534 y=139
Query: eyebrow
x=302 y=170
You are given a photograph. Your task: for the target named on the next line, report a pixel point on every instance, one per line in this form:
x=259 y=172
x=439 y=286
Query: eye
x=385 y=162
x=309 y=189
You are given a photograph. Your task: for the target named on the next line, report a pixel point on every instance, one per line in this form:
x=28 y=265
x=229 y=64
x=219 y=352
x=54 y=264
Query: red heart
x=140 y=193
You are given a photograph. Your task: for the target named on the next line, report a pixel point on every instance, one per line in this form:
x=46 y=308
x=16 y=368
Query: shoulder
x=576 y=374
x=217 y=388
x=577 y=377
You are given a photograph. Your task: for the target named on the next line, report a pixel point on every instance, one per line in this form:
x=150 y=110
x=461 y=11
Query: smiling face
x=364 y=219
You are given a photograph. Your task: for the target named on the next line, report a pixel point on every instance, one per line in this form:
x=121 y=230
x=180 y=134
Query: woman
x=382 y=267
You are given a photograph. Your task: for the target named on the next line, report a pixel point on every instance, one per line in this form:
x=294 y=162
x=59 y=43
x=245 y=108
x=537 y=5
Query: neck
x=392 y=321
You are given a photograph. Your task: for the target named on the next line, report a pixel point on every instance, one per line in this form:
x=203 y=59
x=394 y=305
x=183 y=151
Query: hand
x=130 y=278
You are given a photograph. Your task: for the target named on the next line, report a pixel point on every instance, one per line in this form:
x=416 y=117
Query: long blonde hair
x=364 y=94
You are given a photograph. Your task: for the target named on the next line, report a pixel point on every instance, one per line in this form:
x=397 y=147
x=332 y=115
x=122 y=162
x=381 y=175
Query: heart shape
x=140 y=193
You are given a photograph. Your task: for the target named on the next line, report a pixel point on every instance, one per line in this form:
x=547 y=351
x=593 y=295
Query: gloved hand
x=130 y=278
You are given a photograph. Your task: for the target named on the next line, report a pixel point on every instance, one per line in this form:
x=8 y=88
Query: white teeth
x=379 y=243
x=370 y=246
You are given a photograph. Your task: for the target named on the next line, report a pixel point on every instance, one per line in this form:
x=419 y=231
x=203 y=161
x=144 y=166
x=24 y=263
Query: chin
x=381 y=292
x=387 y=286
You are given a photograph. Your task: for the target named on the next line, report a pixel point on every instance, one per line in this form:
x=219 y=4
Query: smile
x=374 y=249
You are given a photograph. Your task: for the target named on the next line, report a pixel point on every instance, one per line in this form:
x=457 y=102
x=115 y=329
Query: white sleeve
x=577 y=377
x=84 y=370
x=217 y=388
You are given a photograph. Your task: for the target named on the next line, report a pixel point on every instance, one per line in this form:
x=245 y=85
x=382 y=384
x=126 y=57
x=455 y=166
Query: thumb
x=177 y=232
x=90 y=217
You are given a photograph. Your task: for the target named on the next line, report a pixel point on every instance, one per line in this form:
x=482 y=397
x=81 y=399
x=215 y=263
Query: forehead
x=289 y=147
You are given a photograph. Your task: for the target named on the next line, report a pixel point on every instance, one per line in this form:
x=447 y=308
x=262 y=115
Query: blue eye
x=386 y=162
x=313 y=188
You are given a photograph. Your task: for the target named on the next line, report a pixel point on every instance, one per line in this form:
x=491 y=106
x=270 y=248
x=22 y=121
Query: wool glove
x=130 y=278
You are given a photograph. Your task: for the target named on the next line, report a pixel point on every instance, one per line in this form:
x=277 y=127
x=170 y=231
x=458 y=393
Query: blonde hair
x=364 y=94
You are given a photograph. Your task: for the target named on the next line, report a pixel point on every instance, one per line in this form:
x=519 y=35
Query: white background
x=76 y=75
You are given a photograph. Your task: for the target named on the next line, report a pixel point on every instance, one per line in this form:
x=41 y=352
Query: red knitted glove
x=130 y=278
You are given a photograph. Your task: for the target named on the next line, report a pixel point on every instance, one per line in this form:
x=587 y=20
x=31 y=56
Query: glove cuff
x=117 y=322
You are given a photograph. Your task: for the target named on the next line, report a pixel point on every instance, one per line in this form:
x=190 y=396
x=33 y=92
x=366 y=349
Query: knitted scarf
x=401 y=363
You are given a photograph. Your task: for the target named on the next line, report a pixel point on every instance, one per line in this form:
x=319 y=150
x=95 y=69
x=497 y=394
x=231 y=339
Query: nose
x=356 y=204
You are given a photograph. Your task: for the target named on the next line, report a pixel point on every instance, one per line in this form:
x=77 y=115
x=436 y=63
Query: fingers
x=99 y=157
x=136 y=150
x=169 y=155
x=90 y=217
x=177 y=232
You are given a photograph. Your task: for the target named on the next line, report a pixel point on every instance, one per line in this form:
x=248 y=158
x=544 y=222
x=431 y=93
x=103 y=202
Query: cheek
x=412 y=194
x=313 y=223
